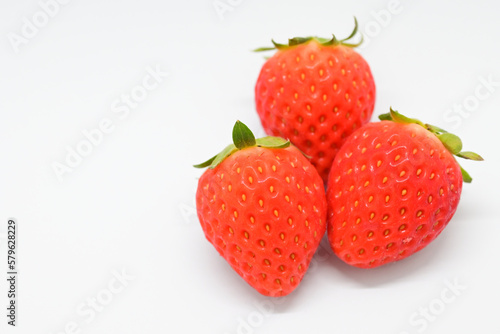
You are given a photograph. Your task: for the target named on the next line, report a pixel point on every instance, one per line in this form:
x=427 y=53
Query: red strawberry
x=262 y=205
x=393 y=188
x=315 y=92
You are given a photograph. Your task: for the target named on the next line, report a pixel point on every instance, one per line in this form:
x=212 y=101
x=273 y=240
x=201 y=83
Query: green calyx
x=243 y=138
x=449 y=140
x=323 y=41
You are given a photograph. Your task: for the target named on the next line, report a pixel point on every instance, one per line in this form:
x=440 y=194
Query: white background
x=129 y=204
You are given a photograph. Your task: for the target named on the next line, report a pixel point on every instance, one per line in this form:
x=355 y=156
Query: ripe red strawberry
x=262 y=205
x=393 y=188
x=315 y=92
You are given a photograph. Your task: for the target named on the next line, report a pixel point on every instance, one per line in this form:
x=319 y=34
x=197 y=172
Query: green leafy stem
x=323 y=41
x=452 y=142
x=243 y=138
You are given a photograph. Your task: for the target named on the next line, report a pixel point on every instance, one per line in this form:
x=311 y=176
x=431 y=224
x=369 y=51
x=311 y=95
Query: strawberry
x=315 y=92
x=392 y=189
x=262 y=205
